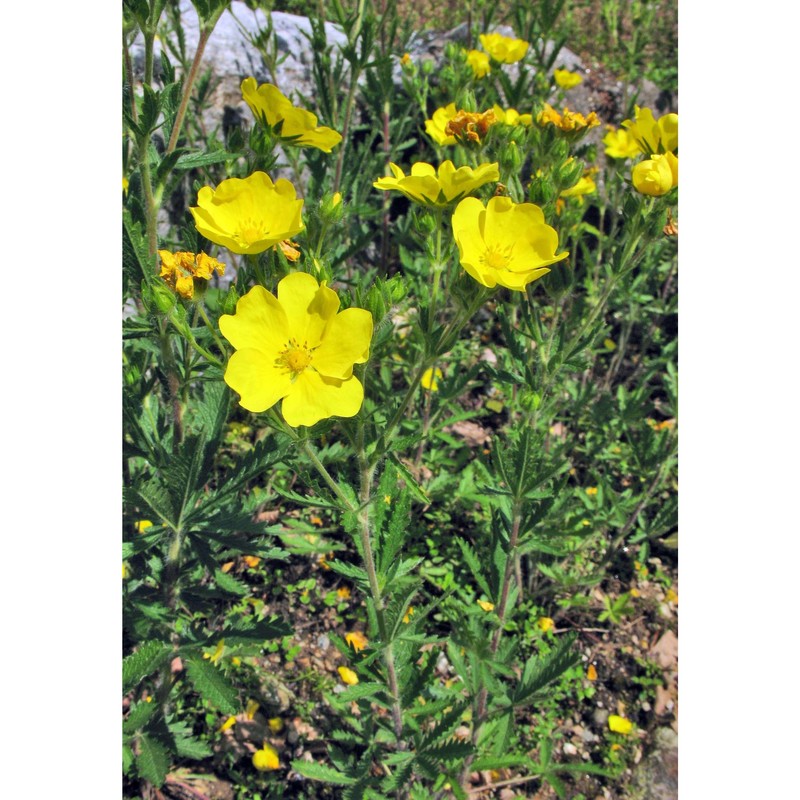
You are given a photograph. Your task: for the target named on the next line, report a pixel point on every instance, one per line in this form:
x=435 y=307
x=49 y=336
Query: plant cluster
x=434 y=363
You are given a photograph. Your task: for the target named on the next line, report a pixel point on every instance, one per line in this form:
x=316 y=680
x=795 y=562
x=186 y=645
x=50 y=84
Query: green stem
x=210 y=327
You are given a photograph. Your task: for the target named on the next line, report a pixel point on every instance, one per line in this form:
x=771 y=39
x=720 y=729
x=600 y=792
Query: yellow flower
x=592 y=491
x=251 y=561
x=438 y=189
x=567 y=121
x=503 y=48
x=653 y=135
x=125 y=185
x=405 y=59
x=435 y=126
x=619 y=724
x=266 y=758
x=656 y=175
x=407 y=616
x=671 y=596
x=566 y=79
x=180 y=270
x=220 y=649
x=430 y=379
x=229 y=723
x=250 y=710
x=511 y=116
x=470 y=127
x=275 y=724
x=486 y=605
x=295 y=347
x=620 y=143
x=343 y=593
x=545 y=623
x=591 y=673
x=126 y=571
x=297 y=126
x=357 y=639
x=479 y=62
x=142 y=525
x=348 y=676
x=585 y=185
x=504 y=243
x=248 y=215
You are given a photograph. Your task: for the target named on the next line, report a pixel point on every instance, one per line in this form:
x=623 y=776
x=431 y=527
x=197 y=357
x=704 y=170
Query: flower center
x=497 y=256
x=251 y=230
x=295 y=357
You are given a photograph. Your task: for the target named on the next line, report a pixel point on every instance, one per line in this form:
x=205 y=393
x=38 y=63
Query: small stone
x=646 y=706
x=570 y=749
x=600 y=717
x=323 y=642
x=588 y=736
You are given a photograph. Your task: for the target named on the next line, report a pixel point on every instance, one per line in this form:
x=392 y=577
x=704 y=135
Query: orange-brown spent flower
x=470 y=126
x=251 y=561
x=357 y=639
x=591 y=673
x=180 y=270
x=671 y=228
x=289 y=249
x=567 y=120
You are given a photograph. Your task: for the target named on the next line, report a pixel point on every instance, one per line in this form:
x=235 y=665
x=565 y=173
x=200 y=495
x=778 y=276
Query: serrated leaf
x=188 y=747
x=450 y=750
x=146 y=660
x=152 y=763
x=195 y=160
x=229 y=584
x=262 y=631
x=361 y=690
x=541 y=670
x=212 y=685
x=321 y=772
x=138 y=717
x=128 y=759
x=349 y=571
x=475 y=567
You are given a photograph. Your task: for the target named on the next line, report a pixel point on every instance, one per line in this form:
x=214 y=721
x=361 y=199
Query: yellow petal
x=348 y=676
x=260 y=323
x=346 y=342
x=266 y=759
x=308 y=306
x=257 y=380
x=313 y=397
x=619 y=724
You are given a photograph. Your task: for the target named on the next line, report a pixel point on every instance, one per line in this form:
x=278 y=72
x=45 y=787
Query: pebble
x=600 y=716
x=323 y=642
x=646 y=706
x=570 y=749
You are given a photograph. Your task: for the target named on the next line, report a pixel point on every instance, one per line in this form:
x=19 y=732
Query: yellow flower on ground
x=656 y=175
x=435 y=126
x=343 y=593
x=248 y=215
x=438 y=189
x=275 y=724
x=126 y=571
x=566 y=79
x=470 y=127
x=671 y=596
x=348 y=676
x=251 y=561
x=251 y=708
x=503 y=48
x=619 y=724
x=653 y=135
x=504 y=243
x=567 y=121
x=407 y=616
x=430 y=379
x=266 y=758
x=142 y=525
x=229 y=723
x=479 y=62
x=297 y=126
x=295 y=347
x=511 y=116
x=620 y=143
x=591 y=673
x=357 y=639
x=545 y=624
x=592 y=491
x=486 y=605
x=181 y=270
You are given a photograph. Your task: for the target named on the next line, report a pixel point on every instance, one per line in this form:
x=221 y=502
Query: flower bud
x=163 y=298
x=332 y=208
x=230 y=301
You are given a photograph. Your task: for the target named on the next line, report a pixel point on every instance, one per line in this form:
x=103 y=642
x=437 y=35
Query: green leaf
x=410 y=481
x=320 y=772
x=244 y=632
x=349 y=571
x=195 y=160
x=361 y=690
x=152 y=763
x=188 y=747
x=541 y=670
x=229 y=584
x=474 y=565
x=212 y=685
x=147 y=659
x=138 y=717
